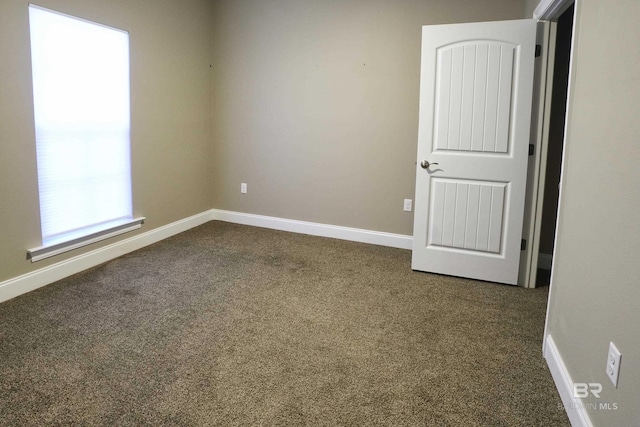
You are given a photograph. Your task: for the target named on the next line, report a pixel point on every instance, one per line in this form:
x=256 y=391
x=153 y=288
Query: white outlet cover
x=408 y=205
x=613 y=364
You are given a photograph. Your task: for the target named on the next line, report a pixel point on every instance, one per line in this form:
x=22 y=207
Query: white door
x=475 y=112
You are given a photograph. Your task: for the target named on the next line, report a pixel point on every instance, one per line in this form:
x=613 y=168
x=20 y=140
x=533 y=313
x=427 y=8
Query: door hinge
x=531 y=149
x=523 y=244
x=538 y=50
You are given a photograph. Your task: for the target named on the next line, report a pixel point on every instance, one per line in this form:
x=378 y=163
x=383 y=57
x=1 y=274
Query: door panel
x=473 y=97
x=467 y=215
x=475 y=111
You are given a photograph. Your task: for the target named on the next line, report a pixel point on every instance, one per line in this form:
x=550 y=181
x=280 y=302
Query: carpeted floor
x=233 y=325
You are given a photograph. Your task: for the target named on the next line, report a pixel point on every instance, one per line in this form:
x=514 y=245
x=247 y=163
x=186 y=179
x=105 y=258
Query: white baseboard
x=44 y=276
x=28 y=282
x=544 y=261
x=315 y=229
x=574 y=408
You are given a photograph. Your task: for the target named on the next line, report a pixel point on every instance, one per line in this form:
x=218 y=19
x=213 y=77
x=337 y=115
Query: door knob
x=425 y=164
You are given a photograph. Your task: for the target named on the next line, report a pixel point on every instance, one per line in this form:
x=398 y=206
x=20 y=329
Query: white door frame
x=550 y=10
x=536 y=168
x=547 y=10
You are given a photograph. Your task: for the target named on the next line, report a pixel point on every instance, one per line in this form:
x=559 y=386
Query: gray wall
x=316 y=105
x=530 y=7
x=170 y=108
x=594 y=291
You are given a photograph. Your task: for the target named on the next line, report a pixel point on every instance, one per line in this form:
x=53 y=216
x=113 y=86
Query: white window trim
x=43 y=252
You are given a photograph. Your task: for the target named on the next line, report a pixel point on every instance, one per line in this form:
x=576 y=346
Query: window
x=82 y=127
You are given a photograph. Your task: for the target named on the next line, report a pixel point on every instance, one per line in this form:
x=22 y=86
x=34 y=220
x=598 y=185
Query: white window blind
x=82 y=125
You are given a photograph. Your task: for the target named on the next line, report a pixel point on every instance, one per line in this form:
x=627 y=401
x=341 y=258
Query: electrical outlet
x=243 y=188
x=408 y=205
x=613 y=364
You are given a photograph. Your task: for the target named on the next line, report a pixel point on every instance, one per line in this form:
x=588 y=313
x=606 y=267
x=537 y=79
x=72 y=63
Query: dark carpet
x=234 y=325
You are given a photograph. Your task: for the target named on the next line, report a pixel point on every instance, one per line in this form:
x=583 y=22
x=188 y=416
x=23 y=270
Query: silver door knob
x=425 y=164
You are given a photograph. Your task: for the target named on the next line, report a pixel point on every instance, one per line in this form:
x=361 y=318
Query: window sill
x=43 y=252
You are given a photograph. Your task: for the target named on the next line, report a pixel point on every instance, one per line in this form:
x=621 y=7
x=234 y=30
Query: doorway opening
x=564 y=33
